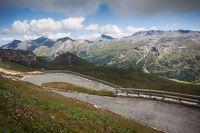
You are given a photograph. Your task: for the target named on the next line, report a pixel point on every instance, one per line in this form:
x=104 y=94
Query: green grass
x=132 y=79
x=25 y=107
x=70 y=87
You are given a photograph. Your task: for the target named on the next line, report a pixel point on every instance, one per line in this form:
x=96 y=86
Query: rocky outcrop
x=17 y=56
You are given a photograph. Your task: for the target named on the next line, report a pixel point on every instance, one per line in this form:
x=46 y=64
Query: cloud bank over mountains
x=45 y=26
x=54 y=29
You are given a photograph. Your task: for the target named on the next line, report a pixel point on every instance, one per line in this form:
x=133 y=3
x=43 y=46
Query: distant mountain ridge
x=29 y=45
x=172 y=54
x=149 y=33
x=152 y=33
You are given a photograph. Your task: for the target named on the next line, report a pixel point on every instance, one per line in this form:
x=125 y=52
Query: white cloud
x=73 y=23
x=108 y=29
x=131 y=29
x=31 y=29
x=45 y=26
x=28 y=37
x=58 y=35
x=5 y=40
x=112 y=30
x=153 y=28
x=92 y=27
x=20 y=27
x=54 y=29
x=89 y=36
x=6 y=31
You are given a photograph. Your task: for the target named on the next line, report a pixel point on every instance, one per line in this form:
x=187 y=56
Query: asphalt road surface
x=68 y=78
x=168 y=117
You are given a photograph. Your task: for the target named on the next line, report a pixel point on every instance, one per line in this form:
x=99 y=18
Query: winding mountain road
x=68 y=78
x=168 y=117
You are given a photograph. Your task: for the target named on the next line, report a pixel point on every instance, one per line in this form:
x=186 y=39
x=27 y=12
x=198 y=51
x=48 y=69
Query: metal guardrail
x=161 y=95
x=147 y=93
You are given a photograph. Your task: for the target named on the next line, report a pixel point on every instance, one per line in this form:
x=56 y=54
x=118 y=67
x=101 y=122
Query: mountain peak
x=12 y=45
x=106 y=37
x=149 y=33
x=41 y=39
x=16 y=41
x=64 y=39
x=39 y=42
x=184 y=31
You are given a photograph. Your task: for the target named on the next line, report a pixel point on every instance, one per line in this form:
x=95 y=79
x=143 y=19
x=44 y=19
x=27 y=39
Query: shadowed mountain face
x=17 y=56
x=63 y=61
x=107 y=37
x=64 y=39
x=12 y=45
x=42 y=41
x=172 y=54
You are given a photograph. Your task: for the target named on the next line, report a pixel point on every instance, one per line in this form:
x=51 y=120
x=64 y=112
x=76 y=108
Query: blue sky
x=82 y=19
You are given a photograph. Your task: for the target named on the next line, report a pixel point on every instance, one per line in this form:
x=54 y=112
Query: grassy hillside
x=29 y=108
x=131 y=79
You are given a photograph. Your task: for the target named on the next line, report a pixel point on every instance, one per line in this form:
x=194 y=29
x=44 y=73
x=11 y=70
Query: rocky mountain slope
x=29 y=59
x=17 y=56
x=172 y=54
